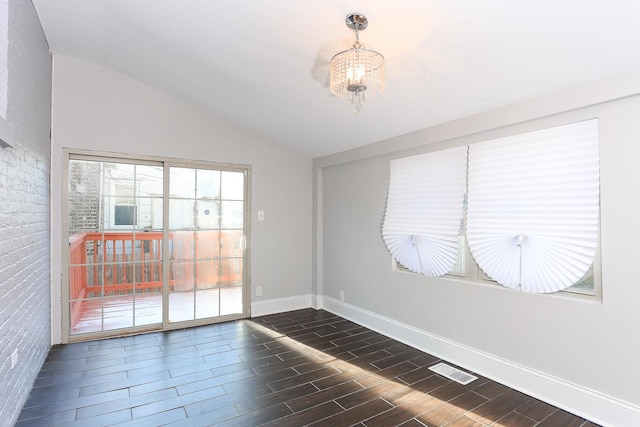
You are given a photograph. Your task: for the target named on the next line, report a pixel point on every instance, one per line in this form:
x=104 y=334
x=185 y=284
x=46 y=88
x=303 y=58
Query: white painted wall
x=98 y=109
x=579 y=354
x=4 y=57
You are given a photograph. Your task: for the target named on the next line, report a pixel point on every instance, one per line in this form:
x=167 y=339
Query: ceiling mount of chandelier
x=357 y=72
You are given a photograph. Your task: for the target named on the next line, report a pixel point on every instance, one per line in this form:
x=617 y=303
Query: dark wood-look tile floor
x=306 y=367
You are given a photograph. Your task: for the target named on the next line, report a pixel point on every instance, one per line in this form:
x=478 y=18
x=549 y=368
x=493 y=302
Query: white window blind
x=533 y=206
x=424 y=208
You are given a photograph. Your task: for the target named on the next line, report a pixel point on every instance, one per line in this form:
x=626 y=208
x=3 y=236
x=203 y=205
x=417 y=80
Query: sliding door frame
x=79 y=154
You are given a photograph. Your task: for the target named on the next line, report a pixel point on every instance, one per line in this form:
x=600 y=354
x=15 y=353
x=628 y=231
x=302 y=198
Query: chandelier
x=357 y=72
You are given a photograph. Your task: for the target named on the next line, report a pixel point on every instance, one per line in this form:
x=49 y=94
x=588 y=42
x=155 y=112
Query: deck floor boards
x=145 y=309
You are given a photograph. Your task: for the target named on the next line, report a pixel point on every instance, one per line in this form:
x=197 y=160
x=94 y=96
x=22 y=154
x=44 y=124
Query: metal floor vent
x=452 y=373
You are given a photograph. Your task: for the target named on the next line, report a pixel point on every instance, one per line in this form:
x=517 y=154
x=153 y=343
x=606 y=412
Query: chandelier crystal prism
x=357 y=72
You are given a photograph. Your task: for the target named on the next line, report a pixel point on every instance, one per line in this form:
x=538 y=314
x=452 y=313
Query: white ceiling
x=264 y=64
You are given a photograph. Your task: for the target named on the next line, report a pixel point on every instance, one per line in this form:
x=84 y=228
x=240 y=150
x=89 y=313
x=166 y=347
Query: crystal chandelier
x=357 y=72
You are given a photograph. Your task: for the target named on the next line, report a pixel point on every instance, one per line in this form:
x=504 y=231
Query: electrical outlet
x=258 y=291
x=342 y=296
x=14 y=358
x=260 y=215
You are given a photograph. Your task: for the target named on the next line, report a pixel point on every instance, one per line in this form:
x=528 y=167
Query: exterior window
x=528 y=217
x=124 y=210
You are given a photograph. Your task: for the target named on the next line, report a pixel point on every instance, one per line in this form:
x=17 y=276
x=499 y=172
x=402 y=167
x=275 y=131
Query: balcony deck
x=119 y=311
x=115 y=278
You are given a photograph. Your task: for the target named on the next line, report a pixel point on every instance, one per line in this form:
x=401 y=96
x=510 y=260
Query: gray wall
x=102 y=110
x=589 y=345
x=24 y=212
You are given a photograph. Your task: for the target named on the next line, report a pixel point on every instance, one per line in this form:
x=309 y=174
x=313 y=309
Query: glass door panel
x=206 y=227
x=114 y=259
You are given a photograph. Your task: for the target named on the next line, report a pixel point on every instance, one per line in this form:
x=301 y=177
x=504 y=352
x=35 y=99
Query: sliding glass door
x=153 y=245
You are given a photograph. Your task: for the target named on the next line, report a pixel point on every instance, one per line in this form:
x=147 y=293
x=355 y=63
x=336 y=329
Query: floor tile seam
x=194 y=347
x=493 y=399
x=393 y=407
x=222 y=383
x=282 y=419
x=501 y=393
x=142 y=419
x=355 y=348
x=126 y=367
x=53 y=394
x=169 y=362
x=318 y=367
x=335 y=399
x=67 y=404
x=444 y=385
x=88 y=419
x=549 y=416
x=474 y=416
x=440 y=405
x=450 y=422
x=179 y=401
x=283 y=380
x=425 y=397
x=127 y=404
x=359 y=405
x=517 y=410
x=368 y=396
x=45 y=416
x=389 y=395
x=395 y=365
x=56 y=358
x=60 y=370
x=535 y=422
x=207 y=366
x=470 y=411
x=170 y=379
x=276 y=374
x=275 y=395
x=234 y=396
x=418 y=421
x=86 y=381
x=256 y=359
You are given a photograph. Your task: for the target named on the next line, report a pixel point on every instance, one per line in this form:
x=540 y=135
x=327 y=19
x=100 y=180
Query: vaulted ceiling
x=264 y=64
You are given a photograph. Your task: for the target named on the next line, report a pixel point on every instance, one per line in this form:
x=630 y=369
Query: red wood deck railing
x=123 y=263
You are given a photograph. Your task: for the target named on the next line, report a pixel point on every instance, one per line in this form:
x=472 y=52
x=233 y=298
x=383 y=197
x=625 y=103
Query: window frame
x=114 y=204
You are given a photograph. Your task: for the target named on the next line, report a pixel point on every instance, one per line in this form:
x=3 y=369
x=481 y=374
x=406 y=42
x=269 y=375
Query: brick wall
x=25 y=285
x=84 y=195
x=24 y=273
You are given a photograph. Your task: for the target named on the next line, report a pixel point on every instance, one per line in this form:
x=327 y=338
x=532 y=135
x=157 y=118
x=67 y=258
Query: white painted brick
x=24 y=275
x=25 y=289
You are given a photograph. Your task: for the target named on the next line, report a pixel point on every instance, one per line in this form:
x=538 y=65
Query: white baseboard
x=590 y=404
x=281 y=305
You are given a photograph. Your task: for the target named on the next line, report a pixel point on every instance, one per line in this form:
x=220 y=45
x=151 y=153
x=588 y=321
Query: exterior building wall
x=84 y=196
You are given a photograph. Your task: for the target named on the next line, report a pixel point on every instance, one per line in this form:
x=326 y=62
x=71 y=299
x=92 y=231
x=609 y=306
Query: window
x=423 y=212
x=528 y=216
x=125 y=212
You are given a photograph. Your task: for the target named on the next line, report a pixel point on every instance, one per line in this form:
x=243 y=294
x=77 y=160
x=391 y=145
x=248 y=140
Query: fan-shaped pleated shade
x=424 y=208
x=533 y=206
